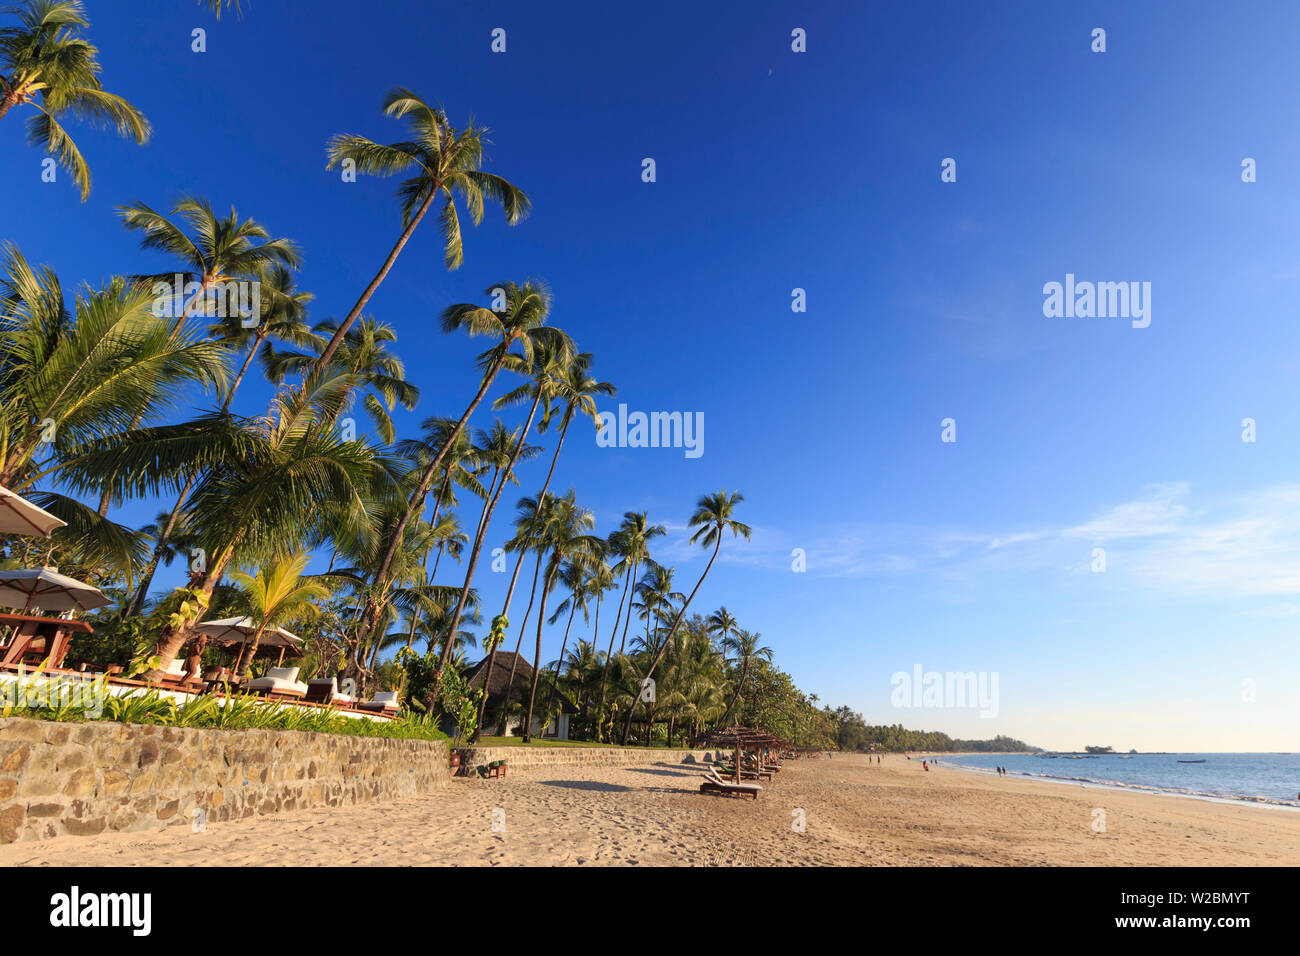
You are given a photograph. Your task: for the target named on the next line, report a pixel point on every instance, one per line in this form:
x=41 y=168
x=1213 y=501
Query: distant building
x=557 y=729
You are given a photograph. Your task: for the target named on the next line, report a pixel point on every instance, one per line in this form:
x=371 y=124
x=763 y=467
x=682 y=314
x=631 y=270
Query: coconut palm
x=566 y=537
x=213 y=250
x=713 y=517
x=521 y=325
x=574 y=390
x=446 y=162
x=283 y=310
x=47 y=63
x=530 y=519
x=365 y=355
x=272 y=594
x=631 y=542
x=721 y=625
x=268 y=485
x=744 y=645
x=83 y=369
x=579 y=582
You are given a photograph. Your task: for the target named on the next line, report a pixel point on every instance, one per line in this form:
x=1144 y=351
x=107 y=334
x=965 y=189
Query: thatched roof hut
x=523 y=682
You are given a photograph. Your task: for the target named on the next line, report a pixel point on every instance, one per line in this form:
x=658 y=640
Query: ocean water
x=1257 y=778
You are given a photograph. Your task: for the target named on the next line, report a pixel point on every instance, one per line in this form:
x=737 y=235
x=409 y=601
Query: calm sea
x=1259 y=778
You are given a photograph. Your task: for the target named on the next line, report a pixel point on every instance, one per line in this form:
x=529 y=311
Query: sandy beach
x=856 y=812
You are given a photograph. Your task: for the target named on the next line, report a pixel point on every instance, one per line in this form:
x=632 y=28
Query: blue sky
x=779 y=170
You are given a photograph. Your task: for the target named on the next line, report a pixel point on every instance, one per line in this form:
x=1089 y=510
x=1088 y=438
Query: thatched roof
x=496 y=694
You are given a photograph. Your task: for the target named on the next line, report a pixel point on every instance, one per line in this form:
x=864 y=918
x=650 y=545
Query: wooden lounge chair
x=385 y=702
x=712 y=783
x=745 y=772
x=279 y=683
x=326 y=691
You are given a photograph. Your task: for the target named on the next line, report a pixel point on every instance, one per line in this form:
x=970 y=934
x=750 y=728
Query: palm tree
x=283 y=309
x=721 y=625
x=268 y=485
x=577 y=579
x=364 y=355
x=565 y=534
x=522 y=324
x=745 y=646
x=574 y=389
x=447 y=163
x=631 y=541
x=530 y=523
x=47 y=62
x=656 y=592
x=713 y=517
x=273 y=593
x=214 y=250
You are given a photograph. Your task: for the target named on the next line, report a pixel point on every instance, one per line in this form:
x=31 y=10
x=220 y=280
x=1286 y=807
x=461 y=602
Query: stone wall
x=81 y=779
x=524 y=758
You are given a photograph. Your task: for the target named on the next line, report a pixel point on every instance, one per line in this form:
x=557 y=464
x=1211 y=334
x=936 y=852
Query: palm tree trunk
x=622 y=645
x=249 y=648
x=555 y=678
x=469 y=575
x=609 y=655
x=744 y=671
x=371 y=610
x=351 y=317
x=142 y=592
x=673 y=630
x=519 y=642
x=174 y=636
x=537 y=654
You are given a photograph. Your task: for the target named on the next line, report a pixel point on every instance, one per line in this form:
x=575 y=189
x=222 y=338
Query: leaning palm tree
x=744 y=644
x=631 y=541
x=74 y=373
x=521 y=325
x=713 y=517
x=268 y=485
x=46 y=62
x=567 y=539
x=574 y=390
x=210 y=250
x=446 y=162
x=273 y=593
x=283 y=310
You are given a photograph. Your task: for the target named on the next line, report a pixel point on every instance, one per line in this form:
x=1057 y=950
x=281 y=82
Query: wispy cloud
x=1164 y=539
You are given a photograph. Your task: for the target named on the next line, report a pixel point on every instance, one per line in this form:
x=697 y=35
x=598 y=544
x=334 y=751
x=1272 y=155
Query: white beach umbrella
x=47 y=589
x=20 y=516
x=239 y=630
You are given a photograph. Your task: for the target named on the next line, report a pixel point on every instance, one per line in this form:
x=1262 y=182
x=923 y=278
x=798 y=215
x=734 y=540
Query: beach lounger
x=385 y=702
x=712 y=783
x=326 y=691
x=746 y=773
x=281 y=682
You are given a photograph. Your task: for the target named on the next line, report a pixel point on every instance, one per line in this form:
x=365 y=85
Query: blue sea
x=1257 y=778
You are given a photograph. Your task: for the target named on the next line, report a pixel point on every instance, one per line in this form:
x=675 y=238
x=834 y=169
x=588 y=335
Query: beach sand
x=856 y=813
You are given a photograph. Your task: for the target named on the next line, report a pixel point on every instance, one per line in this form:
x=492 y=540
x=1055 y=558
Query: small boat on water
x=1192 y=761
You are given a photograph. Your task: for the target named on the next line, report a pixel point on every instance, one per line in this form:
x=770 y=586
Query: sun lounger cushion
x=279 y=679
x=334 y=694
x=386 y=697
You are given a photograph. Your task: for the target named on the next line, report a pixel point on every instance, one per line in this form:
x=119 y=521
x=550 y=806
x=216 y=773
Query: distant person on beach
x=925 y=766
